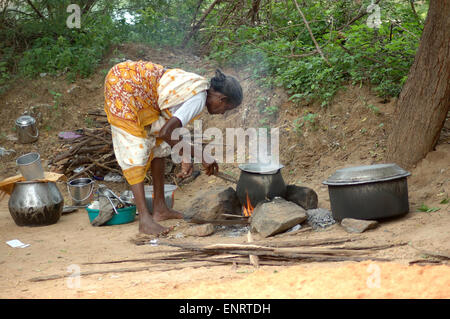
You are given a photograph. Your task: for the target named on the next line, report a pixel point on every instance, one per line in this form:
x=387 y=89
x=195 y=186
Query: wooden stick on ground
x=254 y=259
x=226 y=177
x=121 y=270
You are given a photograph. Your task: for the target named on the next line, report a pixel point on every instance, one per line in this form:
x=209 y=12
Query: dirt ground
x=348 y=132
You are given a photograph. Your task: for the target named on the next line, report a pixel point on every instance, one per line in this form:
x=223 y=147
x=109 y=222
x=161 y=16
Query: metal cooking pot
x=260 y=182
x=35 y=203
x=368 y=192
x=26 y=128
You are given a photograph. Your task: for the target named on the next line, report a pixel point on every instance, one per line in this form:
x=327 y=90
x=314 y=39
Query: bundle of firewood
x=90 y=153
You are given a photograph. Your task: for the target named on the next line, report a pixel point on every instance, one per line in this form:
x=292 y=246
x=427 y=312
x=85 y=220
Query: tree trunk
x=425 y=98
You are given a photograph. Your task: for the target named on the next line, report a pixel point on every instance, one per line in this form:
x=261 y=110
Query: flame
x=248 y=209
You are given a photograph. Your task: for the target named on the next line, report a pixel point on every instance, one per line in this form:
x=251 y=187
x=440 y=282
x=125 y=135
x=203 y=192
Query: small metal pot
x=81 y=191
x=35 y=203
x=26 y=128
x=30 y=166
x=260 y=182
x=368 y=192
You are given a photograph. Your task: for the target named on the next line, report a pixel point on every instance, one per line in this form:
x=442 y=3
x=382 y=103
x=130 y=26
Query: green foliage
x=4 y=76
x=307 y=119
x=56 y=99
x=280 y=52
x=38 y=40
x=424 y=208
x=77 y=52
x=274 y=47
x=162 y=22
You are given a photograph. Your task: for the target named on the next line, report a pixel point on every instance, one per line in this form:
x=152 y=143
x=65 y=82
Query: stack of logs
x=93 y=151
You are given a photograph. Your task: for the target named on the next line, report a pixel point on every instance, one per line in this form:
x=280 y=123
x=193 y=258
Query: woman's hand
x=210 y=165
x=186 y=170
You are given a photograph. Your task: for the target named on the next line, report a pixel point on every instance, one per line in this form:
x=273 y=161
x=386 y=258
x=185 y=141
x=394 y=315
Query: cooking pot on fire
x=259 y=182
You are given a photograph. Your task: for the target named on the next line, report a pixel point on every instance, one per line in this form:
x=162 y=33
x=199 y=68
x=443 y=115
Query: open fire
x=247 y=209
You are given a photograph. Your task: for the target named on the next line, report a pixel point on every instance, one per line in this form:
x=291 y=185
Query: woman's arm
x=166 y=131
x=166 y=134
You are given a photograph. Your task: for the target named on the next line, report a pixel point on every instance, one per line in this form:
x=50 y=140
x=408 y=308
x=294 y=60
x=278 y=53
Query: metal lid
x=261 y=168
x=365 y=174
x=25 y=120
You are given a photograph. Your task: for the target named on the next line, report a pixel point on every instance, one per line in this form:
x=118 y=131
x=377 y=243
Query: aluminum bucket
x=81 y=191
x=26 y=128
x=30 y=166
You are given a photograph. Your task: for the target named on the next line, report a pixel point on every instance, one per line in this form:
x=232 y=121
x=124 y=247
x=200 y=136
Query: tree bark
x=425 y=98
x=253 y=12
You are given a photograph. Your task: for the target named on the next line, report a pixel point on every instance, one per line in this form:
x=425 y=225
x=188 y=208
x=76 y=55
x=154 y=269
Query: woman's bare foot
x=163 y=213
x=147 y=225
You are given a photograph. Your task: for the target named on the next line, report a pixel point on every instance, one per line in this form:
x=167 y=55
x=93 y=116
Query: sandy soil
x=347 y=133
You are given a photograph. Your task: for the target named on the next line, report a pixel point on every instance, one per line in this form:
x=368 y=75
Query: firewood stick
x=75 y=149
x=95 y=113
x=98 y=137
x=226 y=177
x=220 y=221
x=234 y=216
x=120 y=270
x=88 y=167
x=254 y=260
x=83 y=171
x=106 y=167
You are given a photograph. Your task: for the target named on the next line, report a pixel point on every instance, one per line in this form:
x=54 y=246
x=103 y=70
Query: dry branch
x=283 y=253
x=197 y=25
x=93 y=149
x=311 y=34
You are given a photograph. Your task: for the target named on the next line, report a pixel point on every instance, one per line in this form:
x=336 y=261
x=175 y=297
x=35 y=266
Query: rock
x=276 y=216
x=5 y=152
x=72 y=88
x=211 y=204
x=319 y=218
x=199 y=230
x=303 y=196
x=11 y=138
x=352 y=225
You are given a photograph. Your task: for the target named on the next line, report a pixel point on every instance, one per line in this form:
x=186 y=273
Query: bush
x=77 y=52
x=276 y=51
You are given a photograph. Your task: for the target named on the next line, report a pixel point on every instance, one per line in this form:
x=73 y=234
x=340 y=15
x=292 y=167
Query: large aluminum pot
x=260 y=182
x=368 y=192
x=35 y=203
x=26 y=129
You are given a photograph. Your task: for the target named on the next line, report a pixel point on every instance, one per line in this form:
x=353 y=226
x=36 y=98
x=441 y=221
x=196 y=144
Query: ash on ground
x=232 y=231
x=319 y=218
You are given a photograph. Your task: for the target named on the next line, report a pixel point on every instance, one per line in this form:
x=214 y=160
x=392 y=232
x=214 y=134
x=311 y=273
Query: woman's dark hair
x=228 y=86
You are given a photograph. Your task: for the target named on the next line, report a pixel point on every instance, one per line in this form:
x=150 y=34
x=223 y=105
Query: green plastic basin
x=125 y=215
